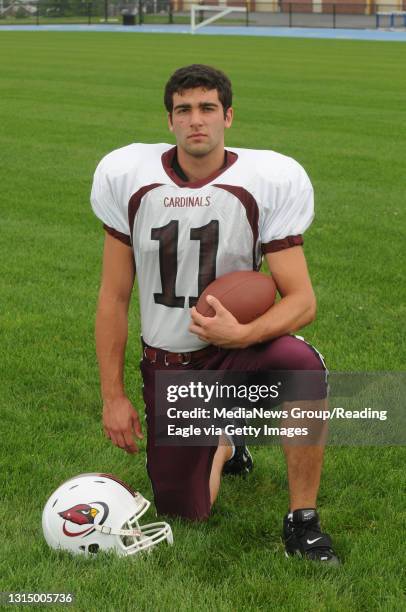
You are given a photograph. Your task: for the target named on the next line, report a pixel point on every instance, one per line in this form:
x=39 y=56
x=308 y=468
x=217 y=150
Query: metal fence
x=137 y=12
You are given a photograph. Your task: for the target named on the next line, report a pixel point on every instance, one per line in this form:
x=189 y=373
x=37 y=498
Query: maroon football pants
x=180 y=474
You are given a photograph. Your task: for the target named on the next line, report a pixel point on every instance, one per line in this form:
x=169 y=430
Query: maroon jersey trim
x=167 y=159
x=284 y=243
x=251 y=209
x=135 y=202
x=122 y=237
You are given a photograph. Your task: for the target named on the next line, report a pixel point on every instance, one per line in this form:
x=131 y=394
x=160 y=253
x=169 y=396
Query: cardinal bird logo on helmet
x=83 y=514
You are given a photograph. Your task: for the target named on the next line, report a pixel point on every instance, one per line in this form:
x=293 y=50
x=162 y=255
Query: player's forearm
x=287 y=316
x=111 y=340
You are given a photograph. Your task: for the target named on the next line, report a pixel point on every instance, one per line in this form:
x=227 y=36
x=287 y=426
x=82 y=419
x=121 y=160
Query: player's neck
x=198 y=168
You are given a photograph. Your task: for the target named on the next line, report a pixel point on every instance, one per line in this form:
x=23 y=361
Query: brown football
x=247 y=295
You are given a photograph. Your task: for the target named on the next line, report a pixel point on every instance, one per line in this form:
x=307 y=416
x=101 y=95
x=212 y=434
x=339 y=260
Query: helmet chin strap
x=123 y=532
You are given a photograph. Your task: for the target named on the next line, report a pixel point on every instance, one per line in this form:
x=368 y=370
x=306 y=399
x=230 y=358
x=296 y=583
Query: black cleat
x=302 y=536
x=240 y=464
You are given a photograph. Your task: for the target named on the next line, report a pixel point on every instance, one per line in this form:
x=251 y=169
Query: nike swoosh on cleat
x=315 y=540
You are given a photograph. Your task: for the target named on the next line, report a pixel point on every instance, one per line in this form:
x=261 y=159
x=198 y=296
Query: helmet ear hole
x=93 y=548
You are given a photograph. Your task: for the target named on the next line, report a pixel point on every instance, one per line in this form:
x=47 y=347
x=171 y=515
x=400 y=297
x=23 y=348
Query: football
x=246 y=294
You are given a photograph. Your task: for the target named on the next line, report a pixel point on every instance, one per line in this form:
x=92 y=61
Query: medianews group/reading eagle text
x=261 y=413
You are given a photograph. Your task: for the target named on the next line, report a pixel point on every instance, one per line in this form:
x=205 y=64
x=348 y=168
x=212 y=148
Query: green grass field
x=338 y=107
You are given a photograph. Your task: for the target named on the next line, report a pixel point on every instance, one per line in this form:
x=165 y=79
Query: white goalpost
x=221 y=9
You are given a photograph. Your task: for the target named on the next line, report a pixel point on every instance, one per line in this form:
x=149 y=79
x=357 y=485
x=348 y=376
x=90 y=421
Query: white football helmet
x=94 y=512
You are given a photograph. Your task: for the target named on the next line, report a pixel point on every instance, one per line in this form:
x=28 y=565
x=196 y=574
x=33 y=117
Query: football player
x=177 y=217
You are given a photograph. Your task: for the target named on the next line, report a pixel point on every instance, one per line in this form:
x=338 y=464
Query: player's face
x=198 y=121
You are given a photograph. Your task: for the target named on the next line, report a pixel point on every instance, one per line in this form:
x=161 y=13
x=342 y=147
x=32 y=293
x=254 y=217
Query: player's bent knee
x=305 y=375
x=294 y=353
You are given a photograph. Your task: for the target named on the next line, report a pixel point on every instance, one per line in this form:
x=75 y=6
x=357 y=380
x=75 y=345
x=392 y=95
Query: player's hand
x=121 y=423
x=222 y=330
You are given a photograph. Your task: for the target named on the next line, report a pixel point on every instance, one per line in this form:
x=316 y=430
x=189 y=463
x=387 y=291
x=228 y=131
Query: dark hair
x=198 y=75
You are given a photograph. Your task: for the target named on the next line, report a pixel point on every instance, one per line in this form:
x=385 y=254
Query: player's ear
x=170 y=125
x=228 y=119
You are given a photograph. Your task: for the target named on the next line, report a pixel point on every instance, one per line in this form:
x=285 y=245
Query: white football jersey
x=185 y=234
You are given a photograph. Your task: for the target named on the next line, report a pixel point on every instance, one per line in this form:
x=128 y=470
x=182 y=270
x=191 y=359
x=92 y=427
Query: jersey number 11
x=168 y=260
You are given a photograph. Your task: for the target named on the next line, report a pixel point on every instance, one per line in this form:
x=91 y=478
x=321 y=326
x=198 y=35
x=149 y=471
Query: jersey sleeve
x=106 y=207
x=288 y=211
